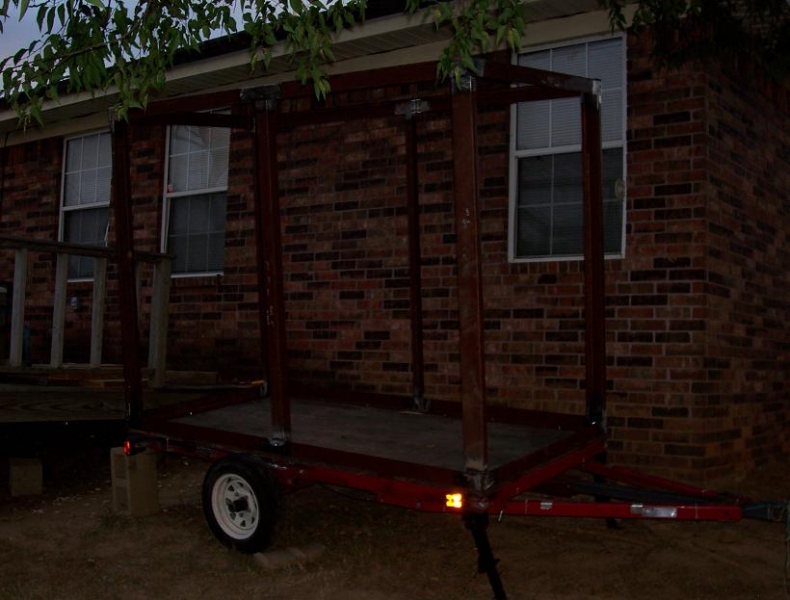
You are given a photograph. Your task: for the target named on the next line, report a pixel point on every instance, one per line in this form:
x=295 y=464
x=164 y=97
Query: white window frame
x=516 y=154
x=67 y=209
x=168 y=196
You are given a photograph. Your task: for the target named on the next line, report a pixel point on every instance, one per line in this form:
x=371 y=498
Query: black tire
x=240 y=502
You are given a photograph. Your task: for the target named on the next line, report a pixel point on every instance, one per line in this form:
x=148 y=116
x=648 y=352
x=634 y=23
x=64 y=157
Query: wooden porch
x=57 y=391
x=59 y=404
x=67 y=404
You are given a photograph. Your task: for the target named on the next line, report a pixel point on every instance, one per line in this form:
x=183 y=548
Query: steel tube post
x=124 y=248
x=594 y=276
x=270 y=277
x=415 y=271
x=470 y=296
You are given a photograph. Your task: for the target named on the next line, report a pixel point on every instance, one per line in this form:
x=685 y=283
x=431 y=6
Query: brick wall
x=747 y=363
x=700 y=364
x=533 y=311
x=346 y=249
x=30 y=206
x=214 y=320
x=698 y=355
x=657 y=296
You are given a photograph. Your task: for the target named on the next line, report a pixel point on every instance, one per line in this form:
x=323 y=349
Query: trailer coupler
x=771 y=510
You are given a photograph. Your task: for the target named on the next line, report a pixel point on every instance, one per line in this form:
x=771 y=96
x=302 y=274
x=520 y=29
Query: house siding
x=697 y=352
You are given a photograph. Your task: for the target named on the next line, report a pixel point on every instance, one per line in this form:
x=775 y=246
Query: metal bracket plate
x=265 y=96
x=412 y=107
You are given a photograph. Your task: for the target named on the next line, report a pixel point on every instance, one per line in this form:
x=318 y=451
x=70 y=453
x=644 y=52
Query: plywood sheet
x=399 y=435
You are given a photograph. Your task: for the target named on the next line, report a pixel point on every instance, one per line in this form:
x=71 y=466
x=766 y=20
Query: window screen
x=197 y=176
x=546 y=156
x=85 y=201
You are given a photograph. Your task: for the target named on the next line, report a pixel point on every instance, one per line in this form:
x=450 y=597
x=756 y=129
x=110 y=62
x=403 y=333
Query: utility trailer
x=469 y=457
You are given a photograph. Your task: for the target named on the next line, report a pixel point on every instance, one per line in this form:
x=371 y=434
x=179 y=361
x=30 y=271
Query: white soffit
x=391 y=40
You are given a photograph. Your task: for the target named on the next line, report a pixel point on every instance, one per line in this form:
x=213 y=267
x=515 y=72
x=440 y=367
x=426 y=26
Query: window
x=546 y=169
x=85 y=197
x=195 y=198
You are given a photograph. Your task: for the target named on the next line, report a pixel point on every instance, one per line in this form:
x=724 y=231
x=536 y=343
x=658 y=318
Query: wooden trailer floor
x=425 y=439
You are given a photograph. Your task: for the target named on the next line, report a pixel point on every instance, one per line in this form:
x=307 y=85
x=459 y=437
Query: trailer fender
x=240 y=502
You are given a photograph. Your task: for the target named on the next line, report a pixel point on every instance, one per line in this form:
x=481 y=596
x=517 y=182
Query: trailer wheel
x=240 y=502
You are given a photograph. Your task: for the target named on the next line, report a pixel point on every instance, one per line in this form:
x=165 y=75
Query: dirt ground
x=68 y=544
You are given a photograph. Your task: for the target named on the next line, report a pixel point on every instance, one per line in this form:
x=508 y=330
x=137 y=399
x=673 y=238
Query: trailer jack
x=477 y=523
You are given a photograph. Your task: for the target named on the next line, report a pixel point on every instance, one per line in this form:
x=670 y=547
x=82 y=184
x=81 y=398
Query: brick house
x=696 y=181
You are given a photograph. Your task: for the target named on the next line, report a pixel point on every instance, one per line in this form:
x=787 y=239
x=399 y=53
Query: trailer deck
x=541 y=464
x=372 y=436
x=405 y=435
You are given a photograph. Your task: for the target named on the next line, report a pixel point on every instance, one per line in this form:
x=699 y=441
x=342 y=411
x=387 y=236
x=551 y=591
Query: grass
x=73 y=547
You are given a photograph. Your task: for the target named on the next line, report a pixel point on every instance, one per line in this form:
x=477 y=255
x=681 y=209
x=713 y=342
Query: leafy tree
x=91 y=45
x=700 y=30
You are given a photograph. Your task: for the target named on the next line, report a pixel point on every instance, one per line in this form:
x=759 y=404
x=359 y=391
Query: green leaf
x=102 y=42
x=35 y=112
x=41 y=14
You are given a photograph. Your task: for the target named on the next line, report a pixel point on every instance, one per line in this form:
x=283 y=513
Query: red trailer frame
x=573 y=464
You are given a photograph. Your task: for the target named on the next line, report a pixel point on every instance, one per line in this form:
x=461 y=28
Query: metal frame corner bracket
x=265 y=97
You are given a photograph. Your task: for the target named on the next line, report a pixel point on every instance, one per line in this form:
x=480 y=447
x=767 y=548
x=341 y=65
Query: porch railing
x=157 y=339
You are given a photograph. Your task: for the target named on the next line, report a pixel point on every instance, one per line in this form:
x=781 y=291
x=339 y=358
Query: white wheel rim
x=235 y=506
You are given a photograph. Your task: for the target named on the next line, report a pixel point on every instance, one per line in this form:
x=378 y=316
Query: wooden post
x=157 y=340
x=97 y=310
x=124 y=247
x=18 y=308
x=59 y=310
x=415 y=265
x=470 y=296
x=269 y=252
x=138 y=286
x=594 y=274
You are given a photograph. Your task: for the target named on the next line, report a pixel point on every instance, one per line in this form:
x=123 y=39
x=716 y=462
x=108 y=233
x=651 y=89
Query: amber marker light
x=454 y=500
